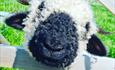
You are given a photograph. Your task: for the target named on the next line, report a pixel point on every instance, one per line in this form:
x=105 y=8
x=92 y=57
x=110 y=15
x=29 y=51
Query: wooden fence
x=110 y=4
x=17 y=57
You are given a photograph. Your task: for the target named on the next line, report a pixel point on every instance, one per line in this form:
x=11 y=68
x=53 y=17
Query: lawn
x=11 y=6
x=106 y=20
x=103 y=17
x=9 y=68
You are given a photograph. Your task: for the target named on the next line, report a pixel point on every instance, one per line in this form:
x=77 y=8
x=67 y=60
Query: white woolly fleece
x=79 y=11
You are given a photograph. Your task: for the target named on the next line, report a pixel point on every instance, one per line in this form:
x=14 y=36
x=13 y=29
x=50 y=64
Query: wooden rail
x=110 y=4
x=19 y=58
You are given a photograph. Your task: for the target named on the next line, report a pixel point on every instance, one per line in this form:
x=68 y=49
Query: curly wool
x=79 y=10
x=55 y=41
x=38 y=24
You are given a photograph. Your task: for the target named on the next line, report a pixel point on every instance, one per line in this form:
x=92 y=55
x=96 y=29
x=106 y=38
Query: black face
x=55 y=41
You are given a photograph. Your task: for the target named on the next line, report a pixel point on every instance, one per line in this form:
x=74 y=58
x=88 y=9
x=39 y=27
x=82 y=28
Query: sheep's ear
x=24 y=2
x=16 y=20
x=96 y=47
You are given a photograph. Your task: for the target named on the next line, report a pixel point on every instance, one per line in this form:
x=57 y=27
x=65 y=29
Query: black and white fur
x=58 y=31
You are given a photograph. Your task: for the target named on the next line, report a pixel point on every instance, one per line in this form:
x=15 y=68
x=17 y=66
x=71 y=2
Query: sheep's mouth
x=53 y=47
x=54 y=54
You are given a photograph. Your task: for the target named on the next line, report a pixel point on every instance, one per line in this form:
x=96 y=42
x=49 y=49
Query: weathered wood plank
x=20 y=58
x=25 y=61
x=7 y=56
x=99 y=63
x=110 y=4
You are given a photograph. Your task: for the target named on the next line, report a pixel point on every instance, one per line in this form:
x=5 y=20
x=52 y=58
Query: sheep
x=58 y=31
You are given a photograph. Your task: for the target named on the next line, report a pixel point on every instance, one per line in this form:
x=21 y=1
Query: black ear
x=96 y=47
x=24 y=2
x=16 y=21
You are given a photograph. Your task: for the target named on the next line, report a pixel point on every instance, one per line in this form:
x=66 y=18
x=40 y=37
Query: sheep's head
x=57 y=30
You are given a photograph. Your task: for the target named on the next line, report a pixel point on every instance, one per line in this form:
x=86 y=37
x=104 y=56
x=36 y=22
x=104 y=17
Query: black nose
x=55 y=41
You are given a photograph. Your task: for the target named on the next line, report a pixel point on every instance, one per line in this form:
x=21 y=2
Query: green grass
x=104 y=19
x=15 y=37
x=11 y=6
x=1 y=68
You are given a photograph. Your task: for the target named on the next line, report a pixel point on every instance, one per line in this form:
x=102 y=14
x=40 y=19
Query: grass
x=15 y=37
x=9 y=68
x=11 y=6
x=104 y=19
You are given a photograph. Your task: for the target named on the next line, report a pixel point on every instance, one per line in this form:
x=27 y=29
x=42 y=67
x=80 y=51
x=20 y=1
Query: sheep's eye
x=41 y=6
x=87 y=26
